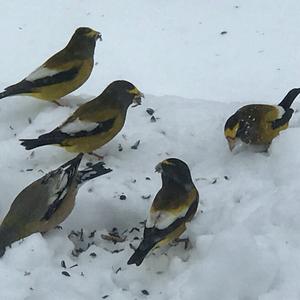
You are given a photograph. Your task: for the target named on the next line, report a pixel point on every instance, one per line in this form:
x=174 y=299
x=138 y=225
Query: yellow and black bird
x=46 y=202
x=62 y=73
x=174 y=205
x=94 y=123
x=259 y=124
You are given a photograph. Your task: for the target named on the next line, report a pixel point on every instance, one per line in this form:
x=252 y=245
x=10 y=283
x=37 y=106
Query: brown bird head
x=124 y=92
x=83 y=42
x=175 y=170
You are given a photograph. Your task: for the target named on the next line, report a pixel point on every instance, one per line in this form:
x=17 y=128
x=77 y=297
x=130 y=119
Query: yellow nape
x=231 y=132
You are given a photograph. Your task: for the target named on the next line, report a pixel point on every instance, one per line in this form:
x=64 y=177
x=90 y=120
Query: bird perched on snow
x=94 y=123
x=259 y=124
x=46 y=202
x=174 y=205
x=62 y=73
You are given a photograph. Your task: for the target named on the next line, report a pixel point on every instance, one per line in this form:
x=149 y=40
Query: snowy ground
x=246 y=235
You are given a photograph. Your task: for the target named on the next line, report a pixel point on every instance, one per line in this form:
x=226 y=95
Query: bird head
x=125 y=92
x=173 y=169
x=231 y=129
x=83 y=42
x=88 y=33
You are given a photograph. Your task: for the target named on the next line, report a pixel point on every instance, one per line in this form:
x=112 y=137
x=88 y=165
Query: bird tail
x=4 y=94
x=91 y=172
x=52 y=138
x=34 y=143
x=289 y=98
x=7 y=237
x=140 y=253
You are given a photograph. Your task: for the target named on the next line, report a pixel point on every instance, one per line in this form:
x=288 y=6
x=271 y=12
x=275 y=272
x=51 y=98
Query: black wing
x=284 y=119
x=56 y=136
x=26 y=86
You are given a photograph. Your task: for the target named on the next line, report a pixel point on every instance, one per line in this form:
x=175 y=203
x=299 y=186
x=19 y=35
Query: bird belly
x=56 y=91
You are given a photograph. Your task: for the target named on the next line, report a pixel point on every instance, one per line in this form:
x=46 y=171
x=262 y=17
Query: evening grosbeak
x=174 y=205
x=94 y=123
x=46 y=202
x=62 y=73
x=259 y=124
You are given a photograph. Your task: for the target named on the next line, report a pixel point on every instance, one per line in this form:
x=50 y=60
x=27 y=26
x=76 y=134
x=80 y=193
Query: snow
x=245 y=238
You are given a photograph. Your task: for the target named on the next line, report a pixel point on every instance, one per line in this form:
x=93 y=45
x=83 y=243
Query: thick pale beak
x=137 y=100
x=158 y=168
x=98 y=36
x=231 y=143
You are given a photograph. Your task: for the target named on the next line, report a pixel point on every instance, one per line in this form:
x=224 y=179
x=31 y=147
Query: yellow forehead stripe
x=166 y=162
x=134 y=91
x=231 y=132
x=92 y=33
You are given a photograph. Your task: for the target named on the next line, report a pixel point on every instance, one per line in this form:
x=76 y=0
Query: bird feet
x=186 y=241
x=57 y=103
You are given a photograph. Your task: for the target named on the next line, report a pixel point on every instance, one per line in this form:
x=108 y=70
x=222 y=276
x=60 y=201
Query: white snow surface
x=246 y=236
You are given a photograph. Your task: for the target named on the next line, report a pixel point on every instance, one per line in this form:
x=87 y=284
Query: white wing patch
x=77 y=126
x=60 y=185
x=41 y=72
x=280 y=111
x=163 y=219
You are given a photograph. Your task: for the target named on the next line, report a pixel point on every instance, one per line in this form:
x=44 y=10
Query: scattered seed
x=134 y=229
x=150 y=111
x=93 y=254
x=29 y=170
x=29 y=120
x=226 y=177
x=81 y=235
x=123 y=197
x=92 y=234
x=153 y=119
x=214 y=181
x=90 y=190
x=66 y=273
x=136 y=145
x=146 y=197
x=113 y=238
x=63 y=264
x=105 y=296
x=145 y=292
x=143 y=222
x=120 y=148
x=118 y=270
x=223 y=32
x=117 y=251
x=76 y=265
x=148 y=178
x=26 y=273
